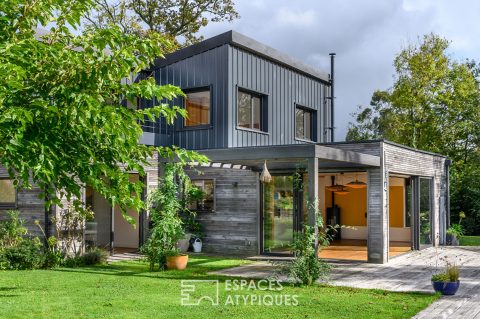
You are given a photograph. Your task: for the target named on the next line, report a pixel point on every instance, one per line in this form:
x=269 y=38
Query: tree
x=177 y=20
x=63 y=123
x=433 y=105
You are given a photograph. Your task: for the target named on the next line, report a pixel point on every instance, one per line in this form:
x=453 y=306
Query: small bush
x=95 y=256
x=306 y=268
x=26 y=254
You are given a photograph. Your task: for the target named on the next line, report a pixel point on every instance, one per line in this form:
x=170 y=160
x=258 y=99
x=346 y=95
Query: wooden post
x=312 y=171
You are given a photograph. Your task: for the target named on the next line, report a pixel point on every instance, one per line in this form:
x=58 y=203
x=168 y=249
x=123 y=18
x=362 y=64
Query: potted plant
x=175 y=260
x=167 y=229
x=447 y=282
x=454 y=232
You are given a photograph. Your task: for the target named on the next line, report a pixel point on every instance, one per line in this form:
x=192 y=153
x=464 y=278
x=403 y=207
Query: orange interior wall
x=352 y=206
x=396 y=206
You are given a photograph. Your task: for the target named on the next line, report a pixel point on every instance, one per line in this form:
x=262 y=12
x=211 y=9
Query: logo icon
x=194 y=292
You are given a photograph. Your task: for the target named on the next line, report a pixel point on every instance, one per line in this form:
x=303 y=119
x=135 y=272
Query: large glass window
x=278 y=215
x=426 y=212
x=205 y=199
x=8 y=194
x=303 y=123
x=197 y=104
x=250 y=111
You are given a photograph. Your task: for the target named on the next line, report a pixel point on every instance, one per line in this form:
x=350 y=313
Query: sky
x=365 y=34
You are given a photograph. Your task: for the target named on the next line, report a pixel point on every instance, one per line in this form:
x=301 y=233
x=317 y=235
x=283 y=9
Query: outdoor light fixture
x=265 y=177
x=356 y=184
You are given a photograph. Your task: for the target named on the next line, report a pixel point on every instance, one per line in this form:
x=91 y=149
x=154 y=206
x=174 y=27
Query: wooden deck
x=408 y=272
x=347 y=249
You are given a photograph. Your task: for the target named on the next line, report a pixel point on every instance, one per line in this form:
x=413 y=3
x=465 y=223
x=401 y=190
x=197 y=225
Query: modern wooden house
x=248 y=105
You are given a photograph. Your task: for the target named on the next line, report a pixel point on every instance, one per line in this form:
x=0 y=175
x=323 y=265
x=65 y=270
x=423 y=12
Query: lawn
x=128 y=290
x=470 y=241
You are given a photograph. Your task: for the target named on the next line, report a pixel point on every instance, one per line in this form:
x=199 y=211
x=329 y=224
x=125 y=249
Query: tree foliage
x=433 y=105
x=177 y=20
x=63 y=123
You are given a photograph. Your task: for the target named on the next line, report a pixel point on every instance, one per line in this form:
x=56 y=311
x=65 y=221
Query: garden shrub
x=95 y=256
x=25 y=254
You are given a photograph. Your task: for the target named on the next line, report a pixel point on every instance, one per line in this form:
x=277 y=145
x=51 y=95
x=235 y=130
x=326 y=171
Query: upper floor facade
x=241 y=93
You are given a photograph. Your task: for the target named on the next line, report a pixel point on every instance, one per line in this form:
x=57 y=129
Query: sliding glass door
x=278 y=208
x=422 y=207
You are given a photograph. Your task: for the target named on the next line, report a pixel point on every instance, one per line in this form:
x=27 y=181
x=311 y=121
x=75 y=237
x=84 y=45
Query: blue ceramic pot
x=446 y=288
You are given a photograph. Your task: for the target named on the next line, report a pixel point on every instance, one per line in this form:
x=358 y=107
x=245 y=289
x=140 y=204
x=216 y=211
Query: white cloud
x=295 y=18
x=366 y=35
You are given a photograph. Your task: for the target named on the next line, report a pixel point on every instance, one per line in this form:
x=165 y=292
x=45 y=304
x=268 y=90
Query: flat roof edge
x=248 y=44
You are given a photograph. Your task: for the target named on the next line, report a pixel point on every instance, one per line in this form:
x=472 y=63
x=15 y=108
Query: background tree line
x=433 y=105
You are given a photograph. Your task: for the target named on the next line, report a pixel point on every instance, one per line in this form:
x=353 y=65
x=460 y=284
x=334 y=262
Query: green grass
x=128 y=290
x=470 y=241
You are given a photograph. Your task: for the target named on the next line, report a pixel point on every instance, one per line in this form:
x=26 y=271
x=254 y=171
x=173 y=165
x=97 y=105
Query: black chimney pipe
x=332 y=97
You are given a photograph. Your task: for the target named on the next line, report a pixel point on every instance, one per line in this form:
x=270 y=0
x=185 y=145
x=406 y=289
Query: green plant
x=450 y=274
x=456 y=230
x=12 y=230
x=164 y=205
x=453 y=273
x=27 y=254
x=442 y=277
x=95 y=256
x=306 y=267
x=70 y=227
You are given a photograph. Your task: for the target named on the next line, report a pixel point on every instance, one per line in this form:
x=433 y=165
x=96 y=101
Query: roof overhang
x=291 y=156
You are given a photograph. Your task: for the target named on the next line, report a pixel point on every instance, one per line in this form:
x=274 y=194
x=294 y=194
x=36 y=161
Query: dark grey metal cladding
x=206 y=69
x=284 y=87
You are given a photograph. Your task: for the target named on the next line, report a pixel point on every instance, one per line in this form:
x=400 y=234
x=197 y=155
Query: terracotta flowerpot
x=178 y=262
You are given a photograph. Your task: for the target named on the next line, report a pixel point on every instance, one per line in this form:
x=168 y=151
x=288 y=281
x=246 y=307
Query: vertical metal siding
x=206 y=69
x=284 y=88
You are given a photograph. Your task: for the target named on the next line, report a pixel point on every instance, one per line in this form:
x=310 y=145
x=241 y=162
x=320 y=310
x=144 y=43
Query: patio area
x=408 y=272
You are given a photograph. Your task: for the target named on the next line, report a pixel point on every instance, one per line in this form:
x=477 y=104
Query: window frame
x=263 y=111
x=197 y=89
x=313 y=121
x=214 y=195
x=10 y=205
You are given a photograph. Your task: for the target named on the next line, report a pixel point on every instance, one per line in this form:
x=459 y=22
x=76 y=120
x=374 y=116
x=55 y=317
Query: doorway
x=109 y=229
x=280 y=215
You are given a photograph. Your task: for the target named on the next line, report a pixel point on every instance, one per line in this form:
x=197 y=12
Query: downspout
x=332 y=97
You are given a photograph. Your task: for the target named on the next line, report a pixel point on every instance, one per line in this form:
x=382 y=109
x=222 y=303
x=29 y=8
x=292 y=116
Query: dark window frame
x=183 y=126
x=214 y=182
x=10 y=205
x=313 y=123
x=263 y=111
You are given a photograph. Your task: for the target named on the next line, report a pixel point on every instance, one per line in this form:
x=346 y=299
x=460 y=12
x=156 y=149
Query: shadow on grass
x=197 y=268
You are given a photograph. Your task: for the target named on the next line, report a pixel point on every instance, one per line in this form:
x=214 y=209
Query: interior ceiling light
x=356 y=183
x=342 y=191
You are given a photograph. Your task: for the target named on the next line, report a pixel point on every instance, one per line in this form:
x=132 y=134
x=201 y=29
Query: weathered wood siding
x=30 y=206
x=233 y=228
x=402 y=160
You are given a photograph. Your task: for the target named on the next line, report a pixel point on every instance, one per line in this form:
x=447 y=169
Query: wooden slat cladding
x=30 y=206
x=233 y=228
x=410 y=162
